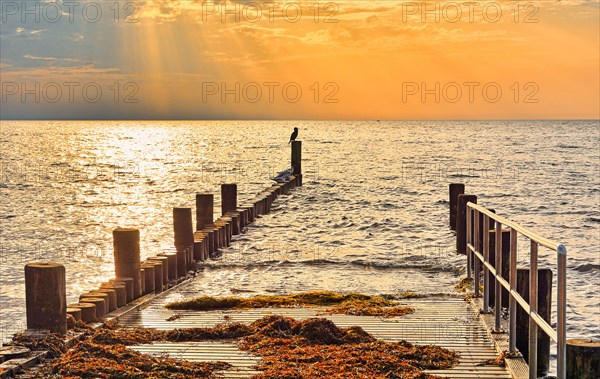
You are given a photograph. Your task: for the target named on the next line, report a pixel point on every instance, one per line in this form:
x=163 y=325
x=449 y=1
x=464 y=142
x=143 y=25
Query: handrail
x=519 y=228
x=473 y=231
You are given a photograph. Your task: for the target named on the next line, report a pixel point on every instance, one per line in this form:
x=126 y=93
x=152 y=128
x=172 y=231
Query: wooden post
x=112 y=297
x=97 y=295
x=46 y=297
x=583 y=358
x=461 y=222
x=544 y=310
x=75 y=312
x=98 y=302
x=236 y=221
x=128 y=283
x=183 y=227
x=228 y=198
x=158 y=274
x=88 y=311
x=297 y=157
x=181 y=262
x=455 y=190
x=143 y=277
x=199 y=241
x=126 y=244
x=173 y=265
x=120 y=290
x=149 y=273
x=211 y=235
x=204 y=210
x=165 y=268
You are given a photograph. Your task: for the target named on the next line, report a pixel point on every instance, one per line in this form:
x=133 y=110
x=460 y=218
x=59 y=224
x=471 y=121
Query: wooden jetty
x=472 y=326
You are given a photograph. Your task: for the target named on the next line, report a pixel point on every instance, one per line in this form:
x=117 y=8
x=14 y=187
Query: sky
x=388 y=60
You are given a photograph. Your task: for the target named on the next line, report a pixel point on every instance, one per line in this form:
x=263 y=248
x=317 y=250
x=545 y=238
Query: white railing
x=474 y=212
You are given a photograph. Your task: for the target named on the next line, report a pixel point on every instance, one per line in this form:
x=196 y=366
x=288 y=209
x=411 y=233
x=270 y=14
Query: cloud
x=23 y=33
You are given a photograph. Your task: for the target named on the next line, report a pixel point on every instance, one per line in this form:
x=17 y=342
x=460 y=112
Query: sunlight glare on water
x=372 y=215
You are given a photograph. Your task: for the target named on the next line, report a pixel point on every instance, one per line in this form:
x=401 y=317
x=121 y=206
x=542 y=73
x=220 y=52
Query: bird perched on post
x=294 y=135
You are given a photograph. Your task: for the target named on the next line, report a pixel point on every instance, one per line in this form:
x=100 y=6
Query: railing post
x=486 y=256
x=497 y=285
x=469 y=241
x=533 y=302
x=561 y=327
x=455 y=190
x=477 y=265
x=513 y=286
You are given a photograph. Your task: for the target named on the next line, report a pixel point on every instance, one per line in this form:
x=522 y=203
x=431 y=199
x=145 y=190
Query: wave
x=463 y=176
x=592 y=219
x=587 y=267
x=325 y=262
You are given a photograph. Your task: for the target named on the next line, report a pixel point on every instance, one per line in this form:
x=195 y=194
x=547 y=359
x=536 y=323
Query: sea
x=372 y=215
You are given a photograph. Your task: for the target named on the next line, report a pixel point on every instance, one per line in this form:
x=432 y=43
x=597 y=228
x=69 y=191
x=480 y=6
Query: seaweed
x=91 y=360
x=349 y=303
x=464 y=284
x=289 y=348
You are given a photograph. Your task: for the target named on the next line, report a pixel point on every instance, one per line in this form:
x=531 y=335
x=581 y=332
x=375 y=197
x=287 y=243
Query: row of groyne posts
x=45 y=283
x=489 y=242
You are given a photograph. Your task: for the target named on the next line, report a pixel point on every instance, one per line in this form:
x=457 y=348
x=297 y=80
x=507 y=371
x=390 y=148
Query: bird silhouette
x=294 y=135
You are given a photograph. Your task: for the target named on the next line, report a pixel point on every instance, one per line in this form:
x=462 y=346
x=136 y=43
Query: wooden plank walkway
x=449 y=322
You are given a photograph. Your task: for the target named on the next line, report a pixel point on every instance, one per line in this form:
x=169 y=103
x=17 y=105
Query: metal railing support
x=477 y=263
x=512 y=338
x=486 y=271
x=469 y=241
x=533 y=301
x=561 y=327
x=498 y=287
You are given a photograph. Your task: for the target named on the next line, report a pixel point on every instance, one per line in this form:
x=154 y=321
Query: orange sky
x=354 y=60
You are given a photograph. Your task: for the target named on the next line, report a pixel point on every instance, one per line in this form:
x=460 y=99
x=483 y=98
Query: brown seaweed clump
x=91 y=360
x=316 y=348
x=307 y=349
x=340 y=303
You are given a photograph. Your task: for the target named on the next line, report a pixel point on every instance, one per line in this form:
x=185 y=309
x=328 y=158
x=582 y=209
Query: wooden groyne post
x=454 y=190
x=297 y=161
x=544 y=303
x=461 y=221
x=228 y=198
x=184 y=239
x=46 y=297
x=583 y=358
x=126 y=244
